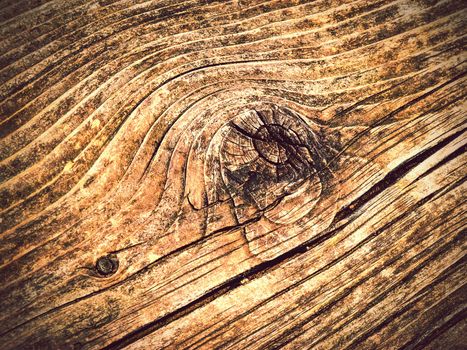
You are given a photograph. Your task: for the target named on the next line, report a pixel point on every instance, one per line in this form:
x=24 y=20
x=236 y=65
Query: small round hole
x=107 y=265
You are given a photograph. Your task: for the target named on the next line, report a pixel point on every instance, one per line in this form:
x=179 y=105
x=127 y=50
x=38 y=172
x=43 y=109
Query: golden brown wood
x=232 y=174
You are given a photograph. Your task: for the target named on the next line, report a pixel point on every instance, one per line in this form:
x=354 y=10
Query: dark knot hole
x=107 y=265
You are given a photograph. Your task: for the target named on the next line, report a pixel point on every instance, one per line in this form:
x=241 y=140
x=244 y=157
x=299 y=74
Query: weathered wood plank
x=232 y=174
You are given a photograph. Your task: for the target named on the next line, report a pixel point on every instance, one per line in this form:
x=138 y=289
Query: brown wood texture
x=232 y=174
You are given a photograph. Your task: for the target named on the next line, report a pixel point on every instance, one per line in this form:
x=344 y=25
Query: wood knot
x=279 y=168
x=275 y=143
x=268 y=154
x=107 y=265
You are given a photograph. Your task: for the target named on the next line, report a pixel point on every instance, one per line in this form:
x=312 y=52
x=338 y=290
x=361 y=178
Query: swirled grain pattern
x=232 y=174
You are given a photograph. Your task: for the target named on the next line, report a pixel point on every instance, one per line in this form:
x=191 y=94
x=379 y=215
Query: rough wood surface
x=232 y=174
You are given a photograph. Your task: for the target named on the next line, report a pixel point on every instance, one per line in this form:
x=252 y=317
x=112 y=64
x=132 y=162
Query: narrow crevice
x=214 y=293
x=392 y=177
